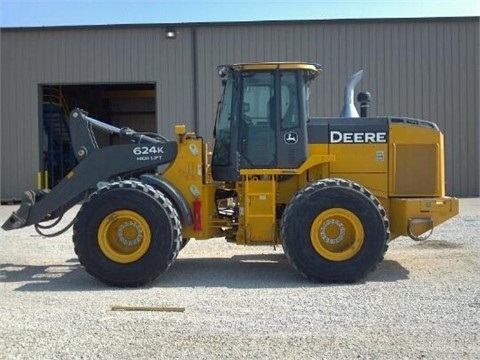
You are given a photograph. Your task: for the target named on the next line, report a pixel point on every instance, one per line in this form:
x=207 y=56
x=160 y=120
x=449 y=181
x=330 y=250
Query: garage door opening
x=121 y=105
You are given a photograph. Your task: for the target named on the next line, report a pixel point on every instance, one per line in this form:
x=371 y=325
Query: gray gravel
x=243 y=302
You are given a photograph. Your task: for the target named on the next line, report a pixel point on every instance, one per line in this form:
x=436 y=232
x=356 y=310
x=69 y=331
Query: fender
x=173 y=194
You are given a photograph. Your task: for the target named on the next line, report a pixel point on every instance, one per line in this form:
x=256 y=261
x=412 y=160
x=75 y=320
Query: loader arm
x=96 y=165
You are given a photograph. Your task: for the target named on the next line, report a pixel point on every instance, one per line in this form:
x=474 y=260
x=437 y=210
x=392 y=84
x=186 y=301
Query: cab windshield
x=221 y=150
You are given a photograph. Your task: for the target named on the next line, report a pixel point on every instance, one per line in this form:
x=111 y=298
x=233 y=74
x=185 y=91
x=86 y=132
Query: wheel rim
x=124 y=236
x=337 y=234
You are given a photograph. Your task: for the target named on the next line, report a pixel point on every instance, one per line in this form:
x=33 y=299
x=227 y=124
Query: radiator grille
x=416 y=169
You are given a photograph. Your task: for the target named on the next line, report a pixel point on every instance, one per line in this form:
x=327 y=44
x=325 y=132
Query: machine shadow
x=239 y=271
x=258 y=271
x=67 y=276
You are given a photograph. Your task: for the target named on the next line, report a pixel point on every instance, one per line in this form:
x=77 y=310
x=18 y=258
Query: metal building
x=151 y=77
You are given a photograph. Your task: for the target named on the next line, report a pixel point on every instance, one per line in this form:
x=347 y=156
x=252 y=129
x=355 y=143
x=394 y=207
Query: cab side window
x=289 y=101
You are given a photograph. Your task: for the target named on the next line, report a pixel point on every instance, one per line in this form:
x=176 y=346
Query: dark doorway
x=122 y=105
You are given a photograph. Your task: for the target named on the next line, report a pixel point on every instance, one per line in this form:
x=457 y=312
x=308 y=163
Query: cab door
x=272 y=129
x=291 y=120
x=257 y=128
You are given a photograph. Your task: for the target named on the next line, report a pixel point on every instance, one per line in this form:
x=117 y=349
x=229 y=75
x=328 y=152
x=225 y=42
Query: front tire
x=127 y=234
x=334 y=230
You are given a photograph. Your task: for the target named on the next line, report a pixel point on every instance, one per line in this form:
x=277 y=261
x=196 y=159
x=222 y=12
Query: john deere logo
x=291 y=137
x=357 y=137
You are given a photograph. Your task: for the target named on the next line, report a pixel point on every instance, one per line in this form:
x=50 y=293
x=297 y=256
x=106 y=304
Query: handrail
x=54 y=95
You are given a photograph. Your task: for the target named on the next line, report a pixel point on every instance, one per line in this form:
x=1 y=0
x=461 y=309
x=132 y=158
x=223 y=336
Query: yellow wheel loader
x=332 y=191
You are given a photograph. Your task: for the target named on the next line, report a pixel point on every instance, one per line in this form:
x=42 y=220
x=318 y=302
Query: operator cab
x=261 y=118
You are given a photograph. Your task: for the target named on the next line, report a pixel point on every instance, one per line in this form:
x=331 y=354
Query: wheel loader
x=332 y=191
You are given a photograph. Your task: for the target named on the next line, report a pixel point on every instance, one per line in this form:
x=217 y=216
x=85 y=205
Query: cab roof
x=312 y=68
x=277 y=65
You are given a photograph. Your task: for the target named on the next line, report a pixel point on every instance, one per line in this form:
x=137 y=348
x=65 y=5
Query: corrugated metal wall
x=425 y=68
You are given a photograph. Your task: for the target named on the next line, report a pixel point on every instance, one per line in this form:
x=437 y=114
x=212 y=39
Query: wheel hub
x=130 y=233
x=330 y=228
x=337 y=234
x=124 y=236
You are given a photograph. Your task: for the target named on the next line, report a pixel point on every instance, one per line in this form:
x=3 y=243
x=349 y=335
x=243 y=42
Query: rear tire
x=127 y=234
x=334 y=230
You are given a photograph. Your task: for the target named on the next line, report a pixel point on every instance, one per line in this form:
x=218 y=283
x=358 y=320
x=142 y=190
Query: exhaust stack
x=349 y=110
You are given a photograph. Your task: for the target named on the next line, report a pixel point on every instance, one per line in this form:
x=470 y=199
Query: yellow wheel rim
x=124 y=236
x=337 y=234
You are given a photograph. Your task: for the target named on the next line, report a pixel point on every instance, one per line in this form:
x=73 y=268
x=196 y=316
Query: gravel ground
x=242 y=302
